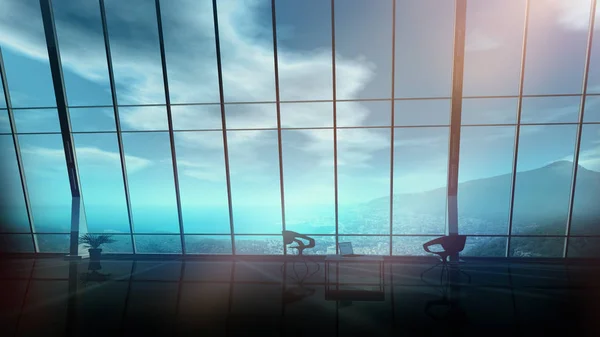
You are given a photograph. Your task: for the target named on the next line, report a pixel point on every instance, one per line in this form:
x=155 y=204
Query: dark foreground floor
x=247 y=298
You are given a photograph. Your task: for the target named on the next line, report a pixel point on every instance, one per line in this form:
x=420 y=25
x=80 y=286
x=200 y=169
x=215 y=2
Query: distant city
x=540 y=209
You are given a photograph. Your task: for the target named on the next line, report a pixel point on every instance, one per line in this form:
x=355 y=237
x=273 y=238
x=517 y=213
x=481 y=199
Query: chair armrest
x=433 y=242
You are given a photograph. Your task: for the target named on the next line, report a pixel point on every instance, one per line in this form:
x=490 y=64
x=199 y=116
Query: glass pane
x=584 y=247
x=410 y=245
x=489 y=111
x=205 y=244
x=424 y=69
x=592 y=108
x=304 y=50
x=196 y=117
x=494 y=39
x=594 y=72
x=4 y=122
x=258 y=245
x=16 y=243
x=324 y=245
x=556 y=46
x=25 y=56
x=482 y=246
x=246 y=41
x=422 y=112
x=543 y=182
x=363 y=63
x=158 y=244
x=190 y=50
x=202 y=182
x=537 y=247
x=12 y=202
x=586 y=213
x=550 y=109
x=92 y=119
x=306 y=115
x=38 y=120
x=101 y=181
x=82 y=52
x=133 y=34
x=364 y=113
x=420 y=179
x=368 y=245
x=53 y=243
x=2 y=98
x=251 y=116
x=150 y=174
x=309 y=181
x=47 y=182
x=143 y=118
x=255 y=189
x=122 y=244
x=363 y=181
x=486 y=159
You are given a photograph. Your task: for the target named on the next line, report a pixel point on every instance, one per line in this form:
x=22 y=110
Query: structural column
x=77 y=211
x=455 y=115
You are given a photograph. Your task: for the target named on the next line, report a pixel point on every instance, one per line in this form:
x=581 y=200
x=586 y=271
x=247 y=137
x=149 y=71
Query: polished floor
x=52 y=297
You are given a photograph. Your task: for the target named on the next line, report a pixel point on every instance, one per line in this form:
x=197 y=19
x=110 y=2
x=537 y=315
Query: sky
x=556 y=47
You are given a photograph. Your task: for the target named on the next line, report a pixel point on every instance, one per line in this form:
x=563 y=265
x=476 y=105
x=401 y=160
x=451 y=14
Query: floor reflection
x=51 y=297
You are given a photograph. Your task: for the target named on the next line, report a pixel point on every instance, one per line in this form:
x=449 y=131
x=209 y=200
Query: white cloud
x=205 y=170
x=90 y=156
x=574 y=14
x=477 y=40
x=590 y=158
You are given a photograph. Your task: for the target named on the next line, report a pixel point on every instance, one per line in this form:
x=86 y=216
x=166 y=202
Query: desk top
x=364 y=258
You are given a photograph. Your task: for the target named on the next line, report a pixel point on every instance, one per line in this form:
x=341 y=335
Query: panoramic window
x=329 y=118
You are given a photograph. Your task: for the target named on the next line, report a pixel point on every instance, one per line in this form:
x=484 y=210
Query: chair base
x=445 y=269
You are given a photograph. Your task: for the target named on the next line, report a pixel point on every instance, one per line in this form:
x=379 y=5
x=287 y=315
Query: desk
x=339 y=293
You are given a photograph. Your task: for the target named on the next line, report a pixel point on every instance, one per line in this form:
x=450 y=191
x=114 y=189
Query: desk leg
x=337 y=276
x=326 y=276
x=381 y=276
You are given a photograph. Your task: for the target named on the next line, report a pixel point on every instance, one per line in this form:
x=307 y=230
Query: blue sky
x=424 y=39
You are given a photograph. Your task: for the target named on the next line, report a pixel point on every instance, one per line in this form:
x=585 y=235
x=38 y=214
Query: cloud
x=588 y=158
x=205 y=170
x=477 y=40
x=248 y=71
x=574 y=14
x=86 y=156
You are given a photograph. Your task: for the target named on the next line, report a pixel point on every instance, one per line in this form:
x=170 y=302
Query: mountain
x=540 y=207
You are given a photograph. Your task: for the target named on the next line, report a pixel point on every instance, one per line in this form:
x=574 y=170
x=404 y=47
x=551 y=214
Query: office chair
x=451 y=245
x=290 y=237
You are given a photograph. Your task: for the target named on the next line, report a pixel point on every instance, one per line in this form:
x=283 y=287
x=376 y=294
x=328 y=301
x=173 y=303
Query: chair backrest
x=288 y=237
x=454 y=243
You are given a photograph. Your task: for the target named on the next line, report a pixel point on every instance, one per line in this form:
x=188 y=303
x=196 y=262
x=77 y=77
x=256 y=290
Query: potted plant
x=93 y=243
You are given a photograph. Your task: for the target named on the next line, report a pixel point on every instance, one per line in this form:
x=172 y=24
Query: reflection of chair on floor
x=451 y=245
x=289 y=238
x=297 y=293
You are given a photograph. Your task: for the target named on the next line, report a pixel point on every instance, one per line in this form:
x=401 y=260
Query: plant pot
x=95 y=253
